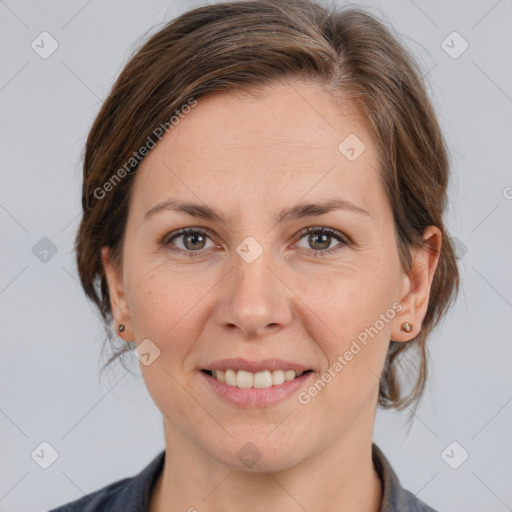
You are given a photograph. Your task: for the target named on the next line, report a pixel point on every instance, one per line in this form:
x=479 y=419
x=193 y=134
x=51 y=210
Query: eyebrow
x=296 y=212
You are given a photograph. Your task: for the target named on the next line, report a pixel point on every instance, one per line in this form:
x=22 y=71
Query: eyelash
x=320 y=230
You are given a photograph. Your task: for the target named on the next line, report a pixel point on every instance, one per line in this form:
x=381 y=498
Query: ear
x=118 y=302
x=415 y=289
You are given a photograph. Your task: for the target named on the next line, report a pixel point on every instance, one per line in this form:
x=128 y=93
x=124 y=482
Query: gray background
x=108 y=428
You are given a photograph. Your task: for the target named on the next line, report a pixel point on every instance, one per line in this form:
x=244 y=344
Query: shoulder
x=410 y=503
x=97 y=500
x=126 y=495
x=394 y=497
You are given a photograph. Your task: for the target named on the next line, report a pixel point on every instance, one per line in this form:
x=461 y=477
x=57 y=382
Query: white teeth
x=289 y=375
x=278 y=377
x=245 y=379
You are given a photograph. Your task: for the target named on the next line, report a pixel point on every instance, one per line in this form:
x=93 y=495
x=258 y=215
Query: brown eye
x=320 y=239
x=192 y=241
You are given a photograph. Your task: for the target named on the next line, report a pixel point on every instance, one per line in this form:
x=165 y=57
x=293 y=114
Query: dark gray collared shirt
x=133 y=494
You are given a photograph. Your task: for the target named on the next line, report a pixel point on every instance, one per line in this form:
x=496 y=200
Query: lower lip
x=256 y=397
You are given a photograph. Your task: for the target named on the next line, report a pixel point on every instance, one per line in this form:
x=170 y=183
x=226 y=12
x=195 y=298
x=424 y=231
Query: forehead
x=280 y=141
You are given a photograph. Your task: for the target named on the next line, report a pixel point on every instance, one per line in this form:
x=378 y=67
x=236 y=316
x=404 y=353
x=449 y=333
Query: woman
x=262 y=218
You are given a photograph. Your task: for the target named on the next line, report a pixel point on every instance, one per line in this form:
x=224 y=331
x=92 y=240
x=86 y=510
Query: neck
x=341 y=477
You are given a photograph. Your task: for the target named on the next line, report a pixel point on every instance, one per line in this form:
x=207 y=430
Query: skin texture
x=249 y=156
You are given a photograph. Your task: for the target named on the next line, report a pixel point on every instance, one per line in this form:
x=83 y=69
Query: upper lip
x=240 y=363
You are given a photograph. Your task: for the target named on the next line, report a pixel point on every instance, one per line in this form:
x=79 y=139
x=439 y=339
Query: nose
x=254 y=298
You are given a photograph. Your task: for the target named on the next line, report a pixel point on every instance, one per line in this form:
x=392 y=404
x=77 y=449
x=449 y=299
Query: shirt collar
x=394 y=497
x=137 y=493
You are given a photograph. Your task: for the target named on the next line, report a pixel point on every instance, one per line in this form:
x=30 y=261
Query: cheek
x=342 y=317
x=348 y=312
x=349 y=318
x=346 y=300
x=163 y=306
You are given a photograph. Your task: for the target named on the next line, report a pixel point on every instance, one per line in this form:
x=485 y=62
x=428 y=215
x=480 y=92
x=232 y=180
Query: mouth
x=263 y=379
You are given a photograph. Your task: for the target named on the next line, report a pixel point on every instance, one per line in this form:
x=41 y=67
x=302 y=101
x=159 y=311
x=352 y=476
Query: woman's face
x=246 y=282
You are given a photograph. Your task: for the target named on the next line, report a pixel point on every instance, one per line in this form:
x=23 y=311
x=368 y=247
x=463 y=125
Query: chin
x=259 y=454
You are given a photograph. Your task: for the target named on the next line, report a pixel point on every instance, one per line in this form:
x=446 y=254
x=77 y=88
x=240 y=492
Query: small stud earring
x=121 y=328
x=407 y=327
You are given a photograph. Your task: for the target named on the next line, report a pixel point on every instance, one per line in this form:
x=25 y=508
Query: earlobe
x=118 y=303
x=417 y=286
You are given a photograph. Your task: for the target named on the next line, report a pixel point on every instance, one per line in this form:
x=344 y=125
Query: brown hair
x=246 y=44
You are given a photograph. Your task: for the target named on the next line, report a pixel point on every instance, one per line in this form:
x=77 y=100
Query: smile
x=262 y=379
